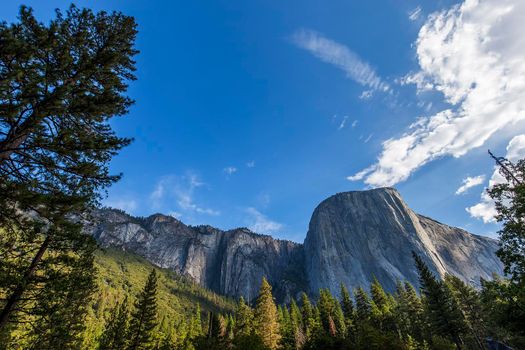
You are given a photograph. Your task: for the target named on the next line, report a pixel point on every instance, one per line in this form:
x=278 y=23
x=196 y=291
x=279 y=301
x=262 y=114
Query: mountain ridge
x=353 y=237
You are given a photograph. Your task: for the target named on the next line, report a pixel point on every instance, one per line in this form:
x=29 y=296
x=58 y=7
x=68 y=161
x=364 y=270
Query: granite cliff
x=356 y=236
x=228 y=262
x=352 y=238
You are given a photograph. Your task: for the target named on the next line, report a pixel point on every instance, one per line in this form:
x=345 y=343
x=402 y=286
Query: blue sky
x=249 y=113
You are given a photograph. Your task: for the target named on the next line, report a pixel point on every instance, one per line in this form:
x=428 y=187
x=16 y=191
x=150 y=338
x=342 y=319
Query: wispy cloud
x=473 y=55
x=250 y=164
x=181 y=190
x=365 y=95
x=343 y=123
x=414 y=14
x=470 y=182
x=341 y=56
x=354 y=123
x=230 y=170
x=259 y=223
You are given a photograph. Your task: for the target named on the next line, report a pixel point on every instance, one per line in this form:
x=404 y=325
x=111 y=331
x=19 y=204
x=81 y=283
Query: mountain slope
x=121 y=274
x=352 y=238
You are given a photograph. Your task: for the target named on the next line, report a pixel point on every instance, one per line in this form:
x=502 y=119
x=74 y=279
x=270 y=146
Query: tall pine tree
x=443 y=310
x=144 y=317
x=266 y=321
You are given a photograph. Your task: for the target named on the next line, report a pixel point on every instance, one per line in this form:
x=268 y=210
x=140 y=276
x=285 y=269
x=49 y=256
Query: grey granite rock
x=356 y=236
x=228 y=262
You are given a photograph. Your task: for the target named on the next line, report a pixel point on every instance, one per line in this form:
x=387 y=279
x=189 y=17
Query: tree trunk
x=14 y=298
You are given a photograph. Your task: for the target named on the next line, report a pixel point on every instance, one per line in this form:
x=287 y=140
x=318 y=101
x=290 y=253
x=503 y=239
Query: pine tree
x=243 y=319
x=144 y=317
x=266 y=319
x=347 y=304
x=116 y=328
x=61 y=84
x=310 y=326
x=339 y=319
x=287 y=341
x=469 y=301
x=60 y=308
x=443 y=310
x=363 y=305
x=296 y=324
x=326 y=309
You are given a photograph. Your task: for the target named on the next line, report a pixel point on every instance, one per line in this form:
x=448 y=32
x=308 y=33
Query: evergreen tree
x=243 y=319
x=443 y=310
x=286 y=329
x=61 y=85
x=327 y=310
x=347 y=304
x=408 y=312
x=469 y=301
x=509 y=198
x=59 y=311
x=363 y=305
x=144 y=317
x=296 y=324
x=266 y=319
x=310 y=324
x=116 y=327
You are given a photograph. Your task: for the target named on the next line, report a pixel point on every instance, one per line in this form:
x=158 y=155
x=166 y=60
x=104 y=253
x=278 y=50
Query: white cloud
x=259 y=223
x=365 y=95
x=360 y=175
x=354 y=123
x=414 y=14
x=339 y=55
x=250 y=164
x=181 y=190
x=470 y=182
x=128 y=205
x=343 y=123
x=230 y=170
x=485 y=209
x=472 y=54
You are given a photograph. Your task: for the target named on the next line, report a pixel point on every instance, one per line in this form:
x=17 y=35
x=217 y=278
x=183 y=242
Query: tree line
x=446 y=314
x=61 y=84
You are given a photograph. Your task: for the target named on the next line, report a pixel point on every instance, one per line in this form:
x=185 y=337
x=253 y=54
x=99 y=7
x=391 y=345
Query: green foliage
x=443 y=310
x=363 y=305
x=266 y=323
x=121 y=275
x=144 y=317
x=61 y=83
x=509 y=198
x=116 y=327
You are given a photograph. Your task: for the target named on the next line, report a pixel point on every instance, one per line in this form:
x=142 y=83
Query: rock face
x=228 y=262
x=353 y=237
x=356 y=236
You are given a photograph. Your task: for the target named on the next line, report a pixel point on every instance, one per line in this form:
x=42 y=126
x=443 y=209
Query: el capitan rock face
x=353 y=236
x=356 y=236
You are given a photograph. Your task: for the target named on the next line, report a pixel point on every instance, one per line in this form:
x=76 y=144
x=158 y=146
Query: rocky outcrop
x=228 y=262
x=356 y=236
x=353 y=237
